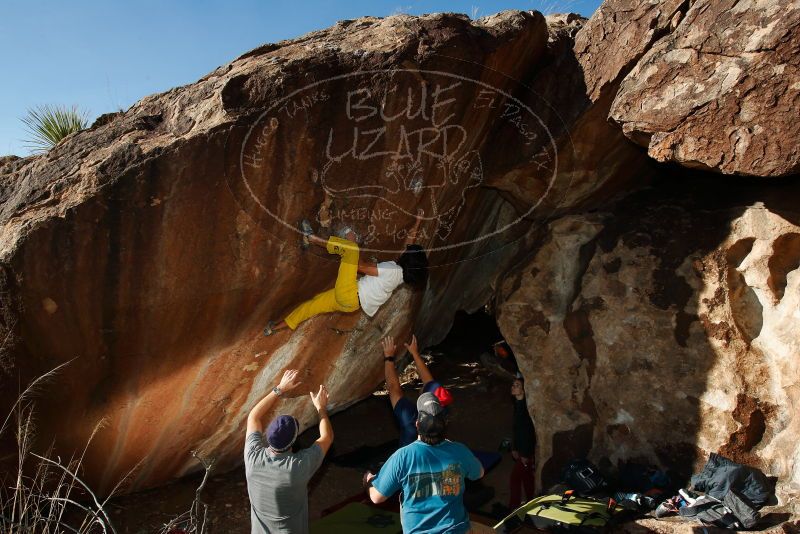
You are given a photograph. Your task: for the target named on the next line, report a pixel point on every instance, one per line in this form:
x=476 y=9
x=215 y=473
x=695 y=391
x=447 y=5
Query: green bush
x=47 y=125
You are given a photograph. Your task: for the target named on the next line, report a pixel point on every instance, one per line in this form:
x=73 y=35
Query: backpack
x=582 y=476
x=562 y=513
x=735 y=511
x=742 y=508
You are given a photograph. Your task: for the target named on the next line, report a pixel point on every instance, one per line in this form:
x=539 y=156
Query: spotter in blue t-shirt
x=432 y=479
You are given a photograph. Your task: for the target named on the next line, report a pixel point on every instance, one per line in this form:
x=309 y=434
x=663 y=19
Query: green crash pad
x=560 y=512
x=357 y=518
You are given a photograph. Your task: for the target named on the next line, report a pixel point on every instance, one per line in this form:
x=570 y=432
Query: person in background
x=431 y=473
x=523 y=445
x=405 y=413
x=277 y=478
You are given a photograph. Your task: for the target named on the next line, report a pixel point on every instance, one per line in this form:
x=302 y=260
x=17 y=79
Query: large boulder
x=664 y=330
x=150 y=250
x=658 y=329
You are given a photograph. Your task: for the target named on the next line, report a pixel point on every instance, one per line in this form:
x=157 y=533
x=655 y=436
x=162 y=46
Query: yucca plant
x=47 y=125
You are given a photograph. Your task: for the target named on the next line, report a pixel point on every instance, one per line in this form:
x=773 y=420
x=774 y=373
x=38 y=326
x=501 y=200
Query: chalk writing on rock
x=374 y=149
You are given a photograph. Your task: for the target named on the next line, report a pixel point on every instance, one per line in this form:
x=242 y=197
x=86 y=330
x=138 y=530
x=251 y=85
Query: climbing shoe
x=270 y=328
x=306 y=230
x=670 y=506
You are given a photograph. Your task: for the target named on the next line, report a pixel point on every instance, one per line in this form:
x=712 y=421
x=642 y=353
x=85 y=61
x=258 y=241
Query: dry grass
x=39 y=495
x=195 y=519
x=45 y=494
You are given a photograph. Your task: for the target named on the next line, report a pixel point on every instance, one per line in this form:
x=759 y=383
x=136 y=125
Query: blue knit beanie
x=282 y=432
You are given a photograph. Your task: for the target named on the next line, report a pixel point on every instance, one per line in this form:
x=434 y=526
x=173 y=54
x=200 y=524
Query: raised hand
x=389 y=347
x=412 y=347
x=289 y=381
x=320 y=400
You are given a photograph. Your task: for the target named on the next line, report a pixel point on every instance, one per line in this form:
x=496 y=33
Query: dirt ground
x=480 y=417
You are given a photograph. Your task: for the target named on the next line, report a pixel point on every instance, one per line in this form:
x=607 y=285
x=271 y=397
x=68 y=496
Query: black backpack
x=582 y=476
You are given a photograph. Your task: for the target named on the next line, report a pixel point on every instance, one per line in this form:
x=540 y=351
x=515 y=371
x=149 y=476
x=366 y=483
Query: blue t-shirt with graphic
x=432 y=480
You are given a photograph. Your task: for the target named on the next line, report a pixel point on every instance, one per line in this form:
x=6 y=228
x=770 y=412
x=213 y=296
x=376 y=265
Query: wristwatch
x=277 y=391
x=388 y=358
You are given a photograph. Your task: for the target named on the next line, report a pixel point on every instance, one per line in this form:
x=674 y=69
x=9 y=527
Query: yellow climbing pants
x=344 y=295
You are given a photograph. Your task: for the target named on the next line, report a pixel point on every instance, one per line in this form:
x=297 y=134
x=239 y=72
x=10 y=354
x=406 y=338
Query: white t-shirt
x=373 y=291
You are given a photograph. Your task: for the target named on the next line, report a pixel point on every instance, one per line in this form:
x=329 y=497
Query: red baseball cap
x=439 y=391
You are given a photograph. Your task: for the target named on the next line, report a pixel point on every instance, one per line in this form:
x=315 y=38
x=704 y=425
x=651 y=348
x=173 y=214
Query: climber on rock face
x=350 y=292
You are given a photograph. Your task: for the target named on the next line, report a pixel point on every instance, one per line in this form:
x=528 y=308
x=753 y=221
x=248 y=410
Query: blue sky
x=105 y=55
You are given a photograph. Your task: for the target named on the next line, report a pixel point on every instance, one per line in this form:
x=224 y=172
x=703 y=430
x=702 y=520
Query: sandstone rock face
x=595 y=162
x=724 y=102
x=663 y=331
x=719 y=88
x=619 y=33
x=654 y=325
x=152 y=248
